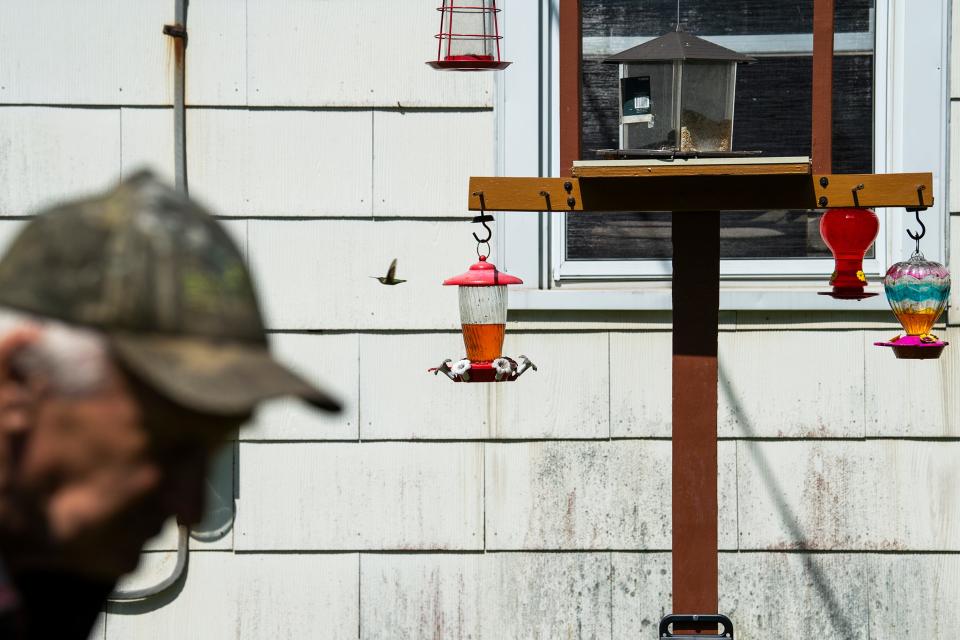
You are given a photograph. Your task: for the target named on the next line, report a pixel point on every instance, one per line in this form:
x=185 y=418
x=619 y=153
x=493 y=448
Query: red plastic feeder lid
x=483 y=274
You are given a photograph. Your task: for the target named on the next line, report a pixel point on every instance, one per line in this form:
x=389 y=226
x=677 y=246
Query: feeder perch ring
x=915 y=347
x=502 y=369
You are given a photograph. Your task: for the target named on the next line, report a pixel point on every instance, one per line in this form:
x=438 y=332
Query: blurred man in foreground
x=131 y=347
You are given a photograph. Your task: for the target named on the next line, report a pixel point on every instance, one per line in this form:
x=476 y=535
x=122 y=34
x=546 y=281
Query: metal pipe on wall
x=178 y=33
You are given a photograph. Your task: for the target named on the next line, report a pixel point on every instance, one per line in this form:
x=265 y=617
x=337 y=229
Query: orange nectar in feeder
x=483 y=309
x=483 y=318
x=918 y=323
x=484 y=342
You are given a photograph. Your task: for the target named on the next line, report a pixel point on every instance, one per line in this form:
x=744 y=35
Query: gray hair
x=75 y=360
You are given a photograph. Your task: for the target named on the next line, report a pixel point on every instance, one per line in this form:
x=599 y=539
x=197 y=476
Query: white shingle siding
x=250 y=596
x=566 y=398
x=48 y=153
x=281 y=163
x=346 y=53
x=350 y=496
x=98 y=52
x=879 y=495
x=329 y=360
x=490 y=596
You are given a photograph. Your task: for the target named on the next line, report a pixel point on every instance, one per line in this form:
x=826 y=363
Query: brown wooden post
x=571 y=48
x=821 y=141
x=696 y=305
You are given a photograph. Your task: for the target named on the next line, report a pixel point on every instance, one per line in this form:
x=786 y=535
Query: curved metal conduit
x=178 y=33
x=183 y=550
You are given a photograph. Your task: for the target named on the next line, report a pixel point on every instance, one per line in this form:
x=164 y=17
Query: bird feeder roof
x=678 y=45
x=483 y=274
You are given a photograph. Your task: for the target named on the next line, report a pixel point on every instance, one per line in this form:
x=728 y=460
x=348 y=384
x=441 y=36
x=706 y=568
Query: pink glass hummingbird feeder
x=483 y=320
x=469 y=36
x=917 y=291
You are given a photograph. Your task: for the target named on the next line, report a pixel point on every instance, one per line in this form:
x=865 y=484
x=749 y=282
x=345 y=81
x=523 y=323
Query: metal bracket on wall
x=175 y=31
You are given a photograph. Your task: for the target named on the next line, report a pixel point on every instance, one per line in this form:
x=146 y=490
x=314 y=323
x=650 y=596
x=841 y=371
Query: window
x=885 y=119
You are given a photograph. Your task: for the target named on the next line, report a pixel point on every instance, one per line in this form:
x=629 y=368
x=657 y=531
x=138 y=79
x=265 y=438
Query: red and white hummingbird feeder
x=469 y=37
x=483 y=320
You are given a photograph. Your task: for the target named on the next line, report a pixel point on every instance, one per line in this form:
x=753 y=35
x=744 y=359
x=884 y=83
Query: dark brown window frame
x=571 y=57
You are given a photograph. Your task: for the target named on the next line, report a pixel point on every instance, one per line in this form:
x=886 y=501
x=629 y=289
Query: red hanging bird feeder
x=469 y=37
x=849 y=233
x=483 y=320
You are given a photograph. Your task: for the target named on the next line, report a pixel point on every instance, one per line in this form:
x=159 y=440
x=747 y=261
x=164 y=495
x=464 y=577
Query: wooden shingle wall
x=433 y=510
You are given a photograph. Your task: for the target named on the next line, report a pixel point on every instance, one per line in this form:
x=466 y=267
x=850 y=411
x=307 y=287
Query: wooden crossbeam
x=676 y=189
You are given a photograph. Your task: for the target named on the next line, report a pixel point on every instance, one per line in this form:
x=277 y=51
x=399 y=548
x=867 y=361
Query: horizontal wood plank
x=627 y=170
x=710 y=192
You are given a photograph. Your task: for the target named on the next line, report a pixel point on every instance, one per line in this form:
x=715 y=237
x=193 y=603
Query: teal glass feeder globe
x=917 y=291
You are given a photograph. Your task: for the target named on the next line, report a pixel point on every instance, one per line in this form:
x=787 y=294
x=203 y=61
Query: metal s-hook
x=483 y=219
x=923 y=230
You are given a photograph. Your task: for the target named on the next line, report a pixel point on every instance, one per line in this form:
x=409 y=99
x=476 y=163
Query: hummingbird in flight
x=390 y=278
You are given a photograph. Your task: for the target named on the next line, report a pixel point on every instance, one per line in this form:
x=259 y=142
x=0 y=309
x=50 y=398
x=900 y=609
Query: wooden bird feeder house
x=676 y=97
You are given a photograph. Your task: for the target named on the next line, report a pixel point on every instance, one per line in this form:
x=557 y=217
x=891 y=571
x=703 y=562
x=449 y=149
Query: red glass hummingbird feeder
x=849 y=233
x=483 y=320
x=469 y=36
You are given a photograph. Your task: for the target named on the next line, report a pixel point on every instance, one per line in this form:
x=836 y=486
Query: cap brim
x=217 y=378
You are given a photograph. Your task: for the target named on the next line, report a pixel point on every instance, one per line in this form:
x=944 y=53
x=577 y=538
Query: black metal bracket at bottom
x=696 y=621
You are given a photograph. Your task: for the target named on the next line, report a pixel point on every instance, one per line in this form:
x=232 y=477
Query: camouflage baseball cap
x=159 y=276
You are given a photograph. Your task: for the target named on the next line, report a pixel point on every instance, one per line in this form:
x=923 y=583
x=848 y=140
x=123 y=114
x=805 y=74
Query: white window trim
x=914 y=139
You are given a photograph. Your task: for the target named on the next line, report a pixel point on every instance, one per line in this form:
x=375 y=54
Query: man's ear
x=18 y=392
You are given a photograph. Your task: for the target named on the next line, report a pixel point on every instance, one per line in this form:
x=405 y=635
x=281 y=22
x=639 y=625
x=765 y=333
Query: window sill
x=795 y=298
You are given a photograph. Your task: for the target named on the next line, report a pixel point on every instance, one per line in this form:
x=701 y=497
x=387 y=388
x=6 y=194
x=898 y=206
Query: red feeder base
x=485 y=371
x=847 y=293
x=913 y=348
x=464 y=63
